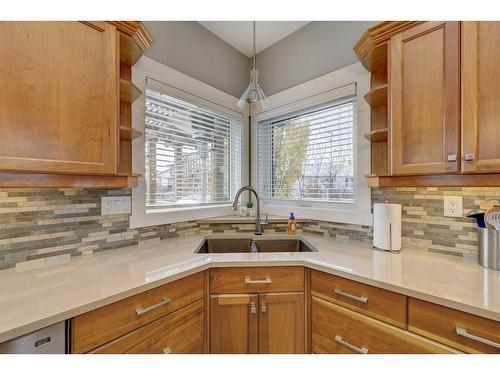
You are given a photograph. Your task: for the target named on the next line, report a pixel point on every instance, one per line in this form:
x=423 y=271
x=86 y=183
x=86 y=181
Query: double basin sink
x=252 y=245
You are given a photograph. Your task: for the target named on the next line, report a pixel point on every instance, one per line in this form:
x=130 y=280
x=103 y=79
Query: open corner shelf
x=128 y=91
x=377 y=136
x=377 y=97
x=129 y=134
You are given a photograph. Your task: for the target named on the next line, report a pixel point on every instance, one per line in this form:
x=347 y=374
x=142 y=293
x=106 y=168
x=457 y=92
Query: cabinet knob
x=452 y=157
x=263 y=307
x=253 y=308
x=469 y=157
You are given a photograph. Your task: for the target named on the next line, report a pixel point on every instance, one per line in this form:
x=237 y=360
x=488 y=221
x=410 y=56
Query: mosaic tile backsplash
x=43 y=224
x=425 y=227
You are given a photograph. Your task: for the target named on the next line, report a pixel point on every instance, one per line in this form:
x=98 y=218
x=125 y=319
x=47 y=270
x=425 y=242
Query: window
x=308 y=155
x=193 y=153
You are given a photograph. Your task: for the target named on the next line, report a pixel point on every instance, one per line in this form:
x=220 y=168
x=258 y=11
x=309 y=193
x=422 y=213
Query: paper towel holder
x=390 y=226
x=390 y=242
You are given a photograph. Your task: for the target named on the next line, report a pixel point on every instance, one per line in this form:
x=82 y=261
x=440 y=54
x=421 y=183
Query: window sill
x=182 y=209
x=348 y=216
x=142 y=218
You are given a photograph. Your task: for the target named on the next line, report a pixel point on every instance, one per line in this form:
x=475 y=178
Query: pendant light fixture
x=253 y=93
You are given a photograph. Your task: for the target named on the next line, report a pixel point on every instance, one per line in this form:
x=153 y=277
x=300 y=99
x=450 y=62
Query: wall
x=317 y=48
x=191 y=49
x=313 y=50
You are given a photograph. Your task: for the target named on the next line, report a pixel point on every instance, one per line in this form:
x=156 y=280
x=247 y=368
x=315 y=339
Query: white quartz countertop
x=33 y=299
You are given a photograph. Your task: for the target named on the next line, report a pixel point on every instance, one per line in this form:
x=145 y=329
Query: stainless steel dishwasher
x=48 y=340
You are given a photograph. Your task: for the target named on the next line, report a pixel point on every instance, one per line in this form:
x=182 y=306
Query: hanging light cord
x=254 y=47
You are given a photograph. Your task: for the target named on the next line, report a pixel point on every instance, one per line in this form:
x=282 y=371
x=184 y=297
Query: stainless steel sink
x=249 y=245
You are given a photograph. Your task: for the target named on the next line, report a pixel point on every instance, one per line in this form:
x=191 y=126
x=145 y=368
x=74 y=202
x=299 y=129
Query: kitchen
x=250 y=187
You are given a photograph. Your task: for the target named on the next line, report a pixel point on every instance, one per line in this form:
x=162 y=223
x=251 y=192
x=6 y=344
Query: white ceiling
x=239 y=34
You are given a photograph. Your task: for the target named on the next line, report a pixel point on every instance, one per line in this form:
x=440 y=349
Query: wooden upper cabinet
x=59 y=98
x=480 y=97
x=424 y=99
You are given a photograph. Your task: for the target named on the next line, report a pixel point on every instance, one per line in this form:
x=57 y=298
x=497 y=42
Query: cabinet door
x=424 y=99
x=480 y=97
x=181 y=332
x=281 y=323
x=233 y=323
x=59 y=97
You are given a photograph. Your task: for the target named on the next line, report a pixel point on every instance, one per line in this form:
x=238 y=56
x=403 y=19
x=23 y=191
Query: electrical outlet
x=106 y=205
x=453 y=206
x=115 y=205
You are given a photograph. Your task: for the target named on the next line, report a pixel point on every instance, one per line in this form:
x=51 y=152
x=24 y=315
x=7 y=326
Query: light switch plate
x=453 y=206
x=115 y=205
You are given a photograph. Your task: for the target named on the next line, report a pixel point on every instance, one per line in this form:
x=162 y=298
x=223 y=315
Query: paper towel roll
x=387 y=226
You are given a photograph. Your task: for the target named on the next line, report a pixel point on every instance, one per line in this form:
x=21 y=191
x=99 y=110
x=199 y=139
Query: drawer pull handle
x=263 y=307
x=351 y=296
x=362 y=350
x=267 y=280
x=167 y=350
x=463 y=332
x=164 y=301
x=43 y=341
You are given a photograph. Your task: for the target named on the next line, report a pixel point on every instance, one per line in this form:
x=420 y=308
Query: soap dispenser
x=292 y=223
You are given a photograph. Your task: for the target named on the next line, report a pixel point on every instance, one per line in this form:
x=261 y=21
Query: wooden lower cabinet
x=378 y=303
x=181 y=332
x=257 y=323
x=336 y=329
x=463 y=331
x=97 y=327
x=281 y=323
x=233 y=323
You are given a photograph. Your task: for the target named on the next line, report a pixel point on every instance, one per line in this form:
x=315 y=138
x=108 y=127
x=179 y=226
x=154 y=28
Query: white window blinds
x=193 y=153
x=308 y=155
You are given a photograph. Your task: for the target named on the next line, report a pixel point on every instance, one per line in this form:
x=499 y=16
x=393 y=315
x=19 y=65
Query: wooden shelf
x=447 y=180
x=129 y=134
x=377 y=136
x=47 y=180
x=377 y=97
x=378 y=59
x=128 y=91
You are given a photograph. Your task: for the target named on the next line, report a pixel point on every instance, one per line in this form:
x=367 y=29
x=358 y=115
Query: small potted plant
x=250 y=208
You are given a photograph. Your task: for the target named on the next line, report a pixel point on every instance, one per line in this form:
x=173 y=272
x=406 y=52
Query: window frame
x=162 y=89
x=319 y=91
x=184 y=87
x=349 y=98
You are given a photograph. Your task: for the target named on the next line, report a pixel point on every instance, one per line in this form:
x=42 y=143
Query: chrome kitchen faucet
x=258 y=229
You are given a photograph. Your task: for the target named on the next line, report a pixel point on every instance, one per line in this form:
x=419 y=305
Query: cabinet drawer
x=339 y=330
x=181 y=332
x=463 y=331
x=378 y=303
x=97 y=327
x=256 y=279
